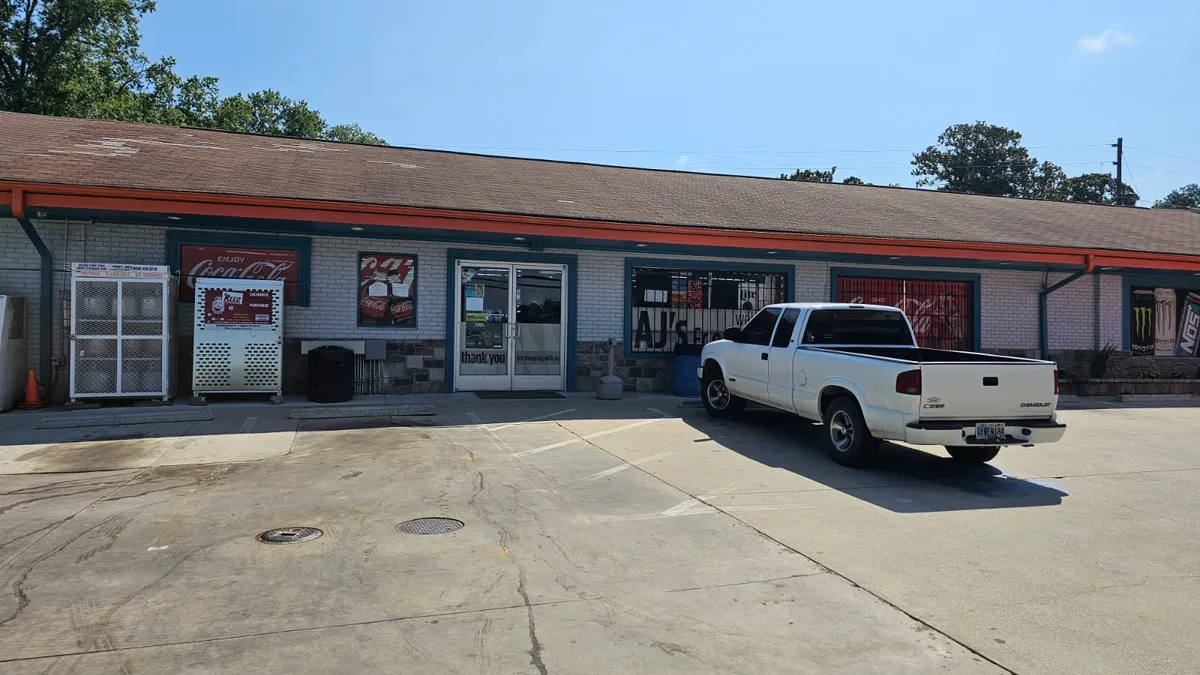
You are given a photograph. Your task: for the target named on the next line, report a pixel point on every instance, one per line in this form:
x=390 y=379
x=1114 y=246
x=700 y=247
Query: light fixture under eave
x=640 y=245
x=518 y=238
x=356 y=228
x=174 y=218
x=1005 y=262
x=894 y=257
x=772 y=252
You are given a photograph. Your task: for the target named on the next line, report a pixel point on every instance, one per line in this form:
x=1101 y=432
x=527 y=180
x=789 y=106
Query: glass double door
x=510 y=326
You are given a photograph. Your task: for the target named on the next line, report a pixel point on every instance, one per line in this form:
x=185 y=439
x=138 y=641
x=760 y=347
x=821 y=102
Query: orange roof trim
x=200 y=204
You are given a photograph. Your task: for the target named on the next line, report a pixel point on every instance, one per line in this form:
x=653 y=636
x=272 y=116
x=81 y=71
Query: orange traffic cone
x=33 y=397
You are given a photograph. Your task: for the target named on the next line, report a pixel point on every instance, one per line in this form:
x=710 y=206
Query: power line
x=1150 y=168
x=1166 y=154
x=1134 y=181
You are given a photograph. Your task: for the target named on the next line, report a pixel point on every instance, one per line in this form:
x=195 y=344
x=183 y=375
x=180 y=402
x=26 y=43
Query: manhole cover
x=289 y=535
x=430 y=526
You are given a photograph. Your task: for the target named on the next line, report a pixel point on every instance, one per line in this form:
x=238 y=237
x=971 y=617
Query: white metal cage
x=121 y=328
x=238 y=356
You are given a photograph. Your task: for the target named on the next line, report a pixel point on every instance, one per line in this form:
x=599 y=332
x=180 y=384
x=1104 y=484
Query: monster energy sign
x=1141 y=316
x=1164 y=322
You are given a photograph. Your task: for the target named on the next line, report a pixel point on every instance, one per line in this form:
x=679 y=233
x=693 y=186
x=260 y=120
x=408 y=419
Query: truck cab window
x=758 y=330
x=857 y=327
x=787 y=324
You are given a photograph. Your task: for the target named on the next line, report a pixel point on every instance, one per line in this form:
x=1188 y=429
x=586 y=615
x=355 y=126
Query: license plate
x=989 y=431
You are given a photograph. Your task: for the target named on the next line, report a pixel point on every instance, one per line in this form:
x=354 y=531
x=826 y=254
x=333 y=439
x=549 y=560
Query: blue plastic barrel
x=687 y=382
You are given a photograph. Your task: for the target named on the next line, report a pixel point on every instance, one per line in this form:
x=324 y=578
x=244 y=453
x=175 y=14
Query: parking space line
x=248 y=424
x=628 y=465
x=531 y=419
x=581 y=439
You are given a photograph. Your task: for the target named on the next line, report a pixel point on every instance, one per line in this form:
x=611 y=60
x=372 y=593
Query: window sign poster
x=238 y=310
x=225 y=262
x=387 y=289
x=1164 y=322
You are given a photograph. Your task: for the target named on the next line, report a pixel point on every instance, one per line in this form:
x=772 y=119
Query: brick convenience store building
x=451 y=272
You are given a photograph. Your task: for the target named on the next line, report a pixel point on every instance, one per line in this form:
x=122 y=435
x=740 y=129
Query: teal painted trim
x=1182 y=281
x=45 y=305
x=572 y=263
x=1044 y=311
x=789 y=272
x=415 y=296
x=302 y=246
x=921 y=275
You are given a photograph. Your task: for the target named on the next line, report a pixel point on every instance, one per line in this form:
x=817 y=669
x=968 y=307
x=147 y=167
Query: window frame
x=684 y=265
x=910 y=274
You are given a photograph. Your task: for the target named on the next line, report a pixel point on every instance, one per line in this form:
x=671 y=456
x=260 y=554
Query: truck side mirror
x=734 y=334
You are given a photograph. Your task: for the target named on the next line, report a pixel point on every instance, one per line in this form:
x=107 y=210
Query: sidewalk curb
x=72 y=420
x=360 y=411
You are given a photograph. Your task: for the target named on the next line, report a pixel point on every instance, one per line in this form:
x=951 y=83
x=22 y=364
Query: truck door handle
x=763 y=356
x=991 y=381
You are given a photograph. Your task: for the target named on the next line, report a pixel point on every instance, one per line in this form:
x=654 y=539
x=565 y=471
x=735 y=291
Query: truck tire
x=973 y=454
x=850 y=442
x=715 y=394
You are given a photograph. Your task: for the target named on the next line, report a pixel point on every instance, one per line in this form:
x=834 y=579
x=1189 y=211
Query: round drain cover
x=430 y=526
x=289 y=535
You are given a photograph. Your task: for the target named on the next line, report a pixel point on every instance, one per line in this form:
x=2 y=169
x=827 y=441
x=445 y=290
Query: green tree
x=811 y=175
x=81 y=58
x=853 y=180
x=1097 y=188
x=1186 y=197
x=68 y=57
x=983 y=158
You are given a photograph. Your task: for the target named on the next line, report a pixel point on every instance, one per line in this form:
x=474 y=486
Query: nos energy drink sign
x=1189 y=327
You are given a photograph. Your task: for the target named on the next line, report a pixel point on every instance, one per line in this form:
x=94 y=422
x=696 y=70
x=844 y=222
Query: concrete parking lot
x=634 y=536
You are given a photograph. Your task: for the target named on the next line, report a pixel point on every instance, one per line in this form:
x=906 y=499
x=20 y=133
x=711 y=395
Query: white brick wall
x=1009 y=298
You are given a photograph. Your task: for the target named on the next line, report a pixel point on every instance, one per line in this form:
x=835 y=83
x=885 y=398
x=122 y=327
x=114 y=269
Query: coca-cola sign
x=196 y=262
x=387 y=289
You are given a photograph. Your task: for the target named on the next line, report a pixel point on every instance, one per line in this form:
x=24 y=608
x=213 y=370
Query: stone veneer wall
x=649 y=375
x=411 y=367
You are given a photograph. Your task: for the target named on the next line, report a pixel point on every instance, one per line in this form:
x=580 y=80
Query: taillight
x=909 y=382
x=1056 y=382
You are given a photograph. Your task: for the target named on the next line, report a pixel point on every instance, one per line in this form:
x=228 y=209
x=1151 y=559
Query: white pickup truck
x=858 y=370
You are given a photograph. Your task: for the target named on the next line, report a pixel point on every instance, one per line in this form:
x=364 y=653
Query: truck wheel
x=974 y=455
x=850 y=442
x=717 y=399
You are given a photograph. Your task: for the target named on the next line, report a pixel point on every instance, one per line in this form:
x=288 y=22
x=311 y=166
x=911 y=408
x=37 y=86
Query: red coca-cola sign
x=387 y=289
x=940 y=311
x=224 y=262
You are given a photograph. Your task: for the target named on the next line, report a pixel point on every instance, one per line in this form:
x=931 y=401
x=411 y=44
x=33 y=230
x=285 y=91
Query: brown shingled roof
x=118 y=154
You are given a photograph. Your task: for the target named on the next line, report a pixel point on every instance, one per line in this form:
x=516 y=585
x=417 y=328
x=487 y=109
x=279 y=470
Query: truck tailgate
x=987 y=391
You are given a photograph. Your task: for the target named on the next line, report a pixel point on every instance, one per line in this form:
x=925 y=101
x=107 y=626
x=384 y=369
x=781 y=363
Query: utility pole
x=1118 y=189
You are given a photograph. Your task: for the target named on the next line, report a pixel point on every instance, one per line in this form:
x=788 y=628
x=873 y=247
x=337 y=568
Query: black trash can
x=330 y=374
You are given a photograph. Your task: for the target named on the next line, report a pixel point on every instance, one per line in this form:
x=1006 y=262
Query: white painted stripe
x=658 y=412
x=157 y=548
x=728 y=487
x=698 y=511
x=533 y=419
x=474 y=418
x=248 y=425
x=628 y=465
x=598 y=434
x=681 y=507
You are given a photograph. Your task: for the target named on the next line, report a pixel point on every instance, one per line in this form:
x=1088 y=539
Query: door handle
x=763 y=356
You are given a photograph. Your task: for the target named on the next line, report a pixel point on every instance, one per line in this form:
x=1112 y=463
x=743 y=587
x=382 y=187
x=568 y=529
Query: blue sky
x=746 y=87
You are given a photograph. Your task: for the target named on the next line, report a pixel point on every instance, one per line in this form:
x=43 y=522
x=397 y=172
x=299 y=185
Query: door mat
x=492 y=395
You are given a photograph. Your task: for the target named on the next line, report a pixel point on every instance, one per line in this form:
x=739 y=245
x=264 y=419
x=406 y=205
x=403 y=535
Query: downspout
x=1043 y=304
x=45 y=318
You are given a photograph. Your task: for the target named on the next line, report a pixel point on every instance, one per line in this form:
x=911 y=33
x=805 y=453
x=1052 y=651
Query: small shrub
x=1099 y=359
